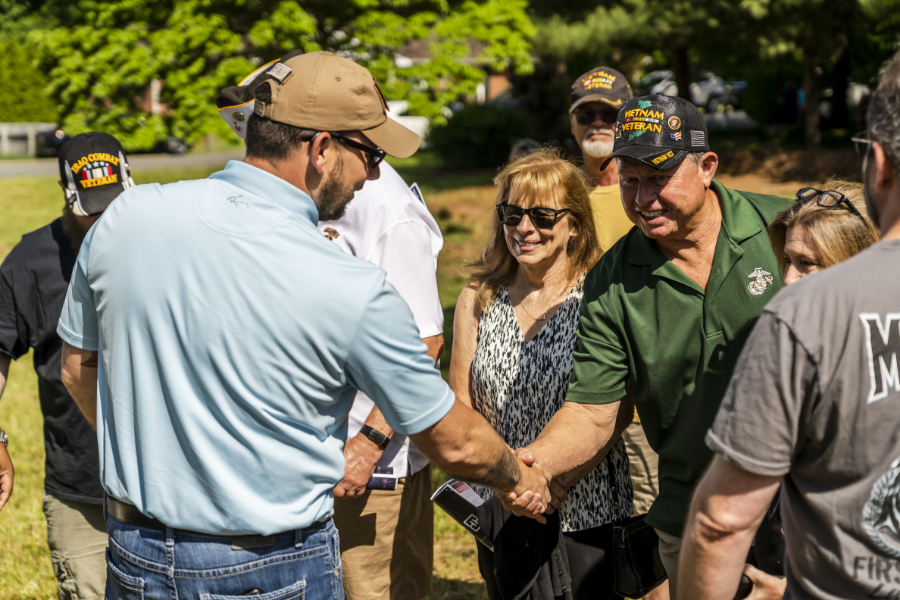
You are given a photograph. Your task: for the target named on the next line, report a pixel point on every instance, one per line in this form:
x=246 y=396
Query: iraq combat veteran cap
x=601 y=85
x=659 y=131
x=325 y=92
x=94 y=170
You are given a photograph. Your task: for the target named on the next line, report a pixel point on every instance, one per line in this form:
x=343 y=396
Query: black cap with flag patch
x=94 y=171
x=659 y=131
x=602 y=84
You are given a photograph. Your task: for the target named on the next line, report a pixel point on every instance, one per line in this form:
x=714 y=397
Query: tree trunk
x=682 y=72
x=811 y=91
x=840 y=117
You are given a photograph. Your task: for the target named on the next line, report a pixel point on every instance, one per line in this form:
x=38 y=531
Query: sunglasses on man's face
x=828 y=199
x=374 y=156
x=541 y=217
x=586 y=116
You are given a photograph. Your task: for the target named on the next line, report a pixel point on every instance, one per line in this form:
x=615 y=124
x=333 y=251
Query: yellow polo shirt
x=611 y=222
x=609 y=216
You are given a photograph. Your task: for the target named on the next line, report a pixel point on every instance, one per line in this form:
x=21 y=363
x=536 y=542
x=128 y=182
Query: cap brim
x=96 y=200
x=646 y=154
x=394 y=138
x=617 y=104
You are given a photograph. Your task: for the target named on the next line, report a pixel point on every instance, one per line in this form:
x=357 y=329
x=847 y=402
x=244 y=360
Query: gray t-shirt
x=815 y=397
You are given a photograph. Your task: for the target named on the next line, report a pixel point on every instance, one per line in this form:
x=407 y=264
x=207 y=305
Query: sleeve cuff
x=591 y=397
x=76 y=340
x=430 y=418
x=743 y=461
x=431 y=330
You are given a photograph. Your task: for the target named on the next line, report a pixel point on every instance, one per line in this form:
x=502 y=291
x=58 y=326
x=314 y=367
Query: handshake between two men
x=574 y=443
x=531 y=481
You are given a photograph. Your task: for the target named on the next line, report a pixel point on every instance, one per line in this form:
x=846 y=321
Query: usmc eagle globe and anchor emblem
x=762 y=279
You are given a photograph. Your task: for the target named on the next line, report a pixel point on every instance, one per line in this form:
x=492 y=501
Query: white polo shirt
x=389 y=225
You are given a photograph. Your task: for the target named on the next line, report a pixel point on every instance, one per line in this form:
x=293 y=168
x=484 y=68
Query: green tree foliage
x=816 y=43
x=478 y=136
x=23 y=89
x=101 y=56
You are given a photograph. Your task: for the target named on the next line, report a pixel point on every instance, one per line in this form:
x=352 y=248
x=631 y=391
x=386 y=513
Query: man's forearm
x=728 y=506
x=79 y=375
x=579 y=436
x=464 y=445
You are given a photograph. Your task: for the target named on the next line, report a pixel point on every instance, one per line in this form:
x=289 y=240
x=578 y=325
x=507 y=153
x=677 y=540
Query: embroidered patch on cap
x=280 y=72
x=698 y=138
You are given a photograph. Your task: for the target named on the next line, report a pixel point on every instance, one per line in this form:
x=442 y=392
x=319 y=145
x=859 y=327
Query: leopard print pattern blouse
x=518 y=386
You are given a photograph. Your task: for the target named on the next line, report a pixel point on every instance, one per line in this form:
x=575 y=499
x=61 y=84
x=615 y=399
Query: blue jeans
x=146 y=564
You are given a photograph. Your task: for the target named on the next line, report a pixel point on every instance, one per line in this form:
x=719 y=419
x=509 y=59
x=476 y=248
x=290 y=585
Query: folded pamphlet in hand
x=461 y=502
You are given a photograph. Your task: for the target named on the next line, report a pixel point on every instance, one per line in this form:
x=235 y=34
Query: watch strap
x=375 y=436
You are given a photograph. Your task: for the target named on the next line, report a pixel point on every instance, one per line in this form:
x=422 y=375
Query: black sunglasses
x=374 y=156
x=828 y=199
x=541 y=217
x=587 y=116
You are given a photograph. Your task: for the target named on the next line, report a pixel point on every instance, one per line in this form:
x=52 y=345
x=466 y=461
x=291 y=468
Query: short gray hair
x=883 y=120
x=694 y=157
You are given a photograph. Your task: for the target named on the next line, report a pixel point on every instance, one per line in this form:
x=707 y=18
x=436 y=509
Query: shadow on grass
x=454 y=589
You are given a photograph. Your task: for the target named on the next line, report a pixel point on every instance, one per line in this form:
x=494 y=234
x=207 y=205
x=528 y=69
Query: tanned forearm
x=79 y=375
x=579 y=436
x=464 y=445
x=728 y=506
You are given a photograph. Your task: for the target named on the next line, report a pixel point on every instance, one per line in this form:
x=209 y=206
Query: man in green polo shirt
x=665 y=311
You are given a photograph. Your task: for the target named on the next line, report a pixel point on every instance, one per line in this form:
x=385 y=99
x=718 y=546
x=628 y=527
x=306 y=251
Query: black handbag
x=635 y=551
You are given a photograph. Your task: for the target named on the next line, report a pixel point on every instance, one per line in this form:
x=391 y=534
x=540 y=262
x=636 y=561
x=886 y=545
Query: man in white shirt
x=387 y=535
x=387 y=531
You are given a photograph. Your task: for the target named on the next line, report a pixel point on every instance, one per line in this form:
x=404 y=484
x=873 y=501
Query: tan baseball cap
x=325 y=92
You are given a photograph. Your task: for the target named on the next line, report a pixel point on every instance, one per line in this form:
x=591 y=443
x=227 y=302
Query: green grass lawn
x=460 y=202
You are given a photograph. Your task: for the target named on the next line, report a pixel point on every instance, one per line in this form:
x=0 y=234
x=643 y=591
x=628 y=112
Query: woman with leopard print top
x=513 y=343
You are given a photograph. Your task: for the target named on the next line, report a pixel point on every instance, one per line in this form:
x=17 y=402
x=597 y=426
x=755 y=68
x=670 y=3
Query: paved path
x=40 y=167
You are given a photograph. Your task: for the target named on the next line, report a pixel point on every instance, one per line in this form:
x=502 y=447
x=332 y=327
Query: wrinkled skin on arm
x=575 y=441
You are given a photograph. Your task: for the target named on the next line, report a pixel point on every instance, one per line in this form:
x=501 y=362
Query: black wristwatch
x=376 y=436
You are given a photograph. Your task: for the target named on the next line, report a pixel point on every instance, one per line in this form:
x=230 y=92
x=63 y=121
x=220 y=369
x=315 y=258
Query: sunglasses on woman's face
x=828 y=199
x=541 y=217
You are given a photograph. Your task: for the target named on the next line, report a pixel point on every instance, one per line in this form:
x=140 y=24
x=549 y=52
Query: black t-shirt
x=33 y=283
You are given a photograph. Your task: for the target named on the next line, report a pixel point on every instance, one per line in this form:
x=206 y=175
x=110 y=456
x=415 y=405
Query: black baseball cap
x=237 y=102
x=659 y=131
x=602 y=84
x=94 y=171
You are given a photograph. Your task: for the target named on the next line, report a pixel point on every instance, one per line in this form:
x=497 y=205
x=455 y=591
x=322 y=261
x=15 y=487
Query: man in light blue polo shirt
x=232 y=338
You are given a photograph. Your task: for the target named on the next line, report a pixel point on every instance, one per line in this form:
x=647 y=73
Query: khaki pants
x=669 y=549
x=643 y=464
x=76 y=534
x=387 y=541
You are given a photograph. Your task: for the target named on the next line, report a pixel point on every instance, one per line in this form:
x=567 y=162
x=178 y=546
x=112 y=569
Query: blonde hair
x=542 y=174
x=835 y=233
